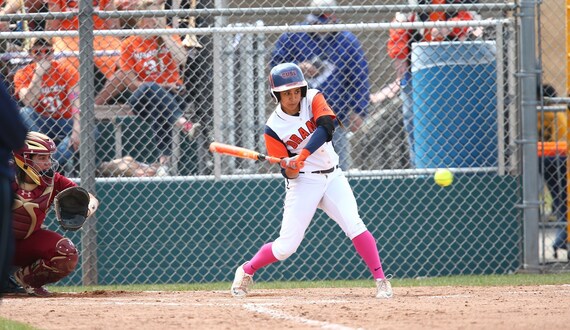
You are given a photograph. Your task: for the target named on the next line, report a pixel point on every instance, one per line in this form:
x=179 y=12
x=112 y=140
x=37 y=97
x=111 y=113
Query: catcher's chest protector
x=29 y=210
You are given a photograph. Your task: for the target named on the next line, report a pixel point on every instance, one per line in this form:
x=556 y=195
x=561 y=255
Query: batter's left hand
x=292 y=163
x=303 y=155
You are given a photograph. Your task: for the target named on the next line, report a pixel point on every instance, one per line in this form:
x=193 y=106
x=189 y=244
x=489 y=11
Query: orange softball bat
x=234 y=151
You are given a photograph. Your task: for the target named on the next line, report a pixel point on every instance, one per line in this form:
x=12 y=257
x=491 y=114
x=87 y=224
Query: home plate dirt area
x=504 y=307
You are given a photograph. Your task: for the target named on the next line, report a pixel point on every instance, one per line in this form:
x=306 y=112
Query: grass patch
x=6 y=324
x=464 y=280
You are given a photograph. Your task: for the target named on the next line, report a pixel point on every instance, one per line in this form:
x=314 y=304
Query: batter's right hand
x=292 y=163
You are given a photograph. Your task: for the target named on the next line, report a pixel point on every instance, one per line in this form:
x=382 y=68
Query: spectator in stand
x=400 y=45
x=50 y=95
x=105 y=64
x=149 y=71
x=15 y=45
x=31 y=6
x=334 y=63
x=553 y=149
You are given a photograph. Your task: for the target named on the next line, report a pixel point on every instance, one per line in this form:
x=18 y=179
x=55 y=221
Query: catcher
x=43 y=256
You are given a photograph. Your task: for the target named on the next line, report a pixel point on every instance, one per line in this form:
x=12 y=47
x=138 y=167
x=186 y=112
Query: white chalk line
x=277 y=314
x=449 y=296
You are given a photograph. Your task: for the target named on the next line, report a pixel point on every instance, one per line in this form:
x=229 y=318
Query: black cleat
x=11 y=286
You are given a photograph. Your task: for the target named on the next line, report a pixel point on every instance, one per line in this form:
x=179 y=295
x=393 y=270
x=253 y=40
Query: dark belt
x=327 y=171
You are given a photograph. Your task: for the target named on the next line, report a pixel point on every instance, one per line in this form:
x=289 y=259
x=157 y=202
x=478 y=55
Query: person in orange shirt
x=49 y=92
x=16 y=45
x=104 y=65
x=149 y=71
x=399 y=49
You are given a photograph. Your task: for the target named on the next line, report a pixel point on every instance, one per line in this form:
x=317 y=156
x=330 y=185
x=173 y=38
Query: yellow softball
x=443 y=177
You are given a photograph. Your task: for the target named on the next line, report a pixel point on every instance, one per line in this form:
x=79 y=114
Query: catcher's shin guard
x=45 y=271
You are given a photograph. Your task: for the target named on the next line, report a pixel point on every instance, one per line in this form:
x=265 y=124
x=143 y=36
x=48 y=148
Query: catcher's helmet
x=36 y=144
x=284 y=77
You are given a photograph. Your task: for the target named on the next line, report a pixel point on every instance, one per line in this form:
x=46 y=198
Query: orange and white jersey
x=56 y=89
x=149 y=59
x=287 y=135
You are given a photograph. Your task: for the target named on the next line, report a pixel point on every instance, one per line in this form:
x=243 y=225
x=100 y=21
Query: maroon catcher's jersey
x=32 y=202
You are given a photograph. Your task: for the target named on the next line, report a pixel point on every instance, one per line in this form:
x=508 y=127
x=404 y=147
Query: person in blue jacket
x=334 y=63
x=12 y=136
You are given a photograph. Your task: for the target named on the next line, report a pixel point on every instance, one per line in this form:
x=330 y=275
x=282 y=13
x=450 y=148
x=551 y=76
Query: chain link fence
x=418 y=87
x=552 y=132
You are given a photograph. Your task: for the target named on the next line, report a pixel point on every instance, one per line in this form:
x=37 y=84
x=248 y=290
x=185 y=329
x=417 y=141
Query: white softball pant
x=329 y=192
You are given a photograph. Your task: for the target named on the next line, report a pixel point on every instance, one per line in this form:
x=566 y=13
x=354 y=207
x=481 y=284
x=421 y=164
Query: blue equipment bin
x=455 y=101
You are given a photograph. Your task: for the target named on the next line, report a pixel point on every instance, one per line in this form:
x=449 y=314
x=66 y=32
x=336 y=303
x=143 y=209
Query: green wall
x=199 y=231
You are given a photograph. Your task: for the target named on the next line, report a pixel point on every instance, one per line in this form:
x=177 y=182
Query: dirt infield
x=521 y=307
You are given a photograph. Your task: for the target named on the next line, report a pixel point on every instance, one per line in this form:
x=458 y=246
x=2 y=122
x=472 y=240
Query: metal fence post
x=87 y=136
x=218 y=84
x=528 y=79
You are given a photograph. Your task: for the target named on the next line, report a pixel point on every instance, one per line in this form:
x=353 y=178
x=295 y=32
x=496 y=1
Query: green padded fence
x=191 y=234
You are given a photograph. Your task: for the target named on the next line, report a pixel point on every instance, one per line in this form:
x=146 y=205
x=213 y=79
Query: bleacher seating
x=128 y=135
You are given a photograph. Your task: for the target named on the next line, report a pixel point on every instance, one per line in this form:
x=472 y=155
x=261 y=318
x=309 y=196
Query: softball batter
x=299 y=132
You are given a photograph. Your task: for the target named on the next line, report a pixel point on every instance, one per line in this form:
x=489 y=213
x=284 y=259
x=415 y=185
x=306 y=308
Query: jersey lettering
x=292 y=144
x=51 y=104
x=303 y=133
x=311 y=125
x=153 y=67
x=295 y=140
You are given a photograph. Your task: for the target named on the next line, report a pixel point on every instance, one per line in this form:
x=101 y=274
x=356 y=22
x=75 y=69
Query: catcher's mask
x=36 y=144
x=284 y=77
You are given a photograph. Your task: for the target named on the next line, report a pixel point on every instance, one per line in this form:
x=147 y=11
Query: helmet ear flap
x=29 y=170
x=277 y=96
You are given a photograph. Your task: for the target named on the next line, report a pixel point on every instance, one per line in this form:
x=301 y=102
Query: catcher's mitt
x=71 y=208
